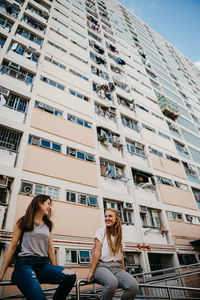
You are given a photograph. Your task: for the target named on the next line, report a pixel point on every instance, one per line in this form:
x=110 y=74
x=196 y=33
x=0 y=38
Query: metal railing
x=177 y=284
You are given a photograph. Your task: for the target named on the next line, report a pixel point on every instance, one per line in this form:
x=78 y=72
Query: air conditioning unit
x=3 y=181
x=82 y=199
x=26 y=188
x=128 y=205
x=116 y=141
x=139 y=146
x=143 y=209
x=14 y=65
x=35 y=141
x=132 y=106
x=4 y=91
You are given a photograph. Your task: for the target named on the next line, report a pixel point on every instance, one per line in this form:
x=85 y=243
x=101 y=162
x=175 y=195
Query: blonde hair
x=115 y=246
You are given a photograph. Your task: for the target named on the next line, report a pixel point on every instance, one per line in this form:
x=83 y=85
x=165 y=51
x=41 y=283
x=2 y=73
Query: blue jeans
x=30 y=271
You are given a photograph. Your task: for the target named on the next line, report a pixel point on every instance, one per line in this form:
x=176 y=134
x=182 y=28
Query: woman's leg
x=25 y=279
x=105 y=277
x=128 y=283
x=55 y=275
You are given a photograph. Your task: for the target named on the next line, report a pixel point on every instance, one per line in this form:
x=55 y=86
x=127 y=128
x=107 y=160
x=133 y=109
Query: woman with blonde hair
x=107 y=267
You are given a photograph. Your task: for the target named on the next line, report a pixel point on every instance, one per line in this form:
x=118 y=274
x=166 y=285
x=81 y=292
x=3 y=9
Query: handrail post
x=169 y=293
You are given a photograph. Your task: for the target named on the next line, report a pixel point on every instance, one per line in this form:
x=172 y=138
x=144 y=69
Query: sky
x=178 y=21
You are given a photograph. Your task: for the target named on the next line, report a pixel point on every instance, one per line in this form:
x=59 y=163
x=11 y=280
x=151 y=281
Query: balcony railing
x=18 y=74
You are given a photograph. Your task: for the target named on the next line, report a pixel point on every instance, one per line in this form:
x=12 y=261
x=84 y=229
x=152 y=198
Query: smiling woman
x=107 y=266
x=36 y=261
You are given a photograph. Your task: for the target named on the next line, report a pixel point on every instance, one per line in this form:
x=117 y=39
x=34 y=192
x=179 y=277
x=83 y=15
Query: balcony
x=15 y=107
x=99 y=73
x=168 y=107
x=96 y=47
x=11 y=9
x=93 y=24
x=106 y=115
x=34 y=24
x=40 y=15
x=5 y=24
x=104 y=91
x=35 y=41
x=20 y=76
x=22 y=52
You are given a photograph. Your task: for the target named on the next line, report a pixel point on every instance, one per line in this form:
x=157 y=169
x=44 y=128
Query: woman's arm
x=97 y=255
x=51 y=251
x=123 y=264
x=11 y=250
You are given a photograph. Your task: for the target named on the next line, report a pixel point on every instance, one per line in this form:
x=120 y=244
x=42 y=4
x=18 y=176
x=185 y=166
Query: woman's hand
x=1 y=276
x=68 y=272
x=90 y=276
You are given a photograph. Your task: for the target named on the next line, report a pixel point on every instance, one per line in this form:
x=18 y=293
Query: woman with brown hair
x=36 y=261
x=107 y=266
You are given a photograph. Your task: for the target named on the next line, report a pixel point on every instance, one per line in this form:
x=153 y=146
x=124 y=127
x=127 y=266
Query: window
x=9 y=139
x=77 y=256
x=78 y=95
x=30 y=36
x=17 y=103
x=36 y=189
x=125 y=210
x=172 y=158
x=148 y=128
x=44 y=143
x=53 y=83
x=187 y=259
x=164 y=181
x=150 y=218
x=48 y=108
x=55 y=62
x=56 y=46
x=78 y=74
x=84 y=199
x=174 y=216
x=79 y=121
x=79 y=58
x=136 y=148
x=156 y=152
x=181 y=148
x=164 y=135
x=111 y=170
x=129 y=123
x=181 y=186
x=80 y=154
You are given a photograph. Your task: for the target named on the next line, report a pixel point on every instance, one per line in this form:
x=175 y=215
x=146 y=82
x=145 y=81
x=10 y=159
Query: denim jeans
x=30 y=271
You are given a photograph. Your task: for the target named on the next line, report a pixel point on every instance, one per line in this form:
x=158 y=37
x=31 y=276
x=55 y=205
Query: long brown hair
x=115 y=246
x=26 y=223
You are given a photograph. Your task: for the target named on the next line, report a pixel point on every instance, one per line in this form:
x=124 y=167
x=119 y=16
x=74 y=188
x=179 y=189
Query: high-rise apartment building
x=97 y=110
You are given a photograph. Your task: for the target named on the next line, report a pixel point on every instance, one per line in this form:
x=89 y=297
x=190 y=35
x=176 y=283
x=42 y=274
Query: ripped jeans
x=30 y=271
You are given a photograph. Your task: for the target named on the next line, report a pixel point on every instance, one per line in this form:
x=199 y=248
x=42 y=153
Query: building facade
x=97 y=110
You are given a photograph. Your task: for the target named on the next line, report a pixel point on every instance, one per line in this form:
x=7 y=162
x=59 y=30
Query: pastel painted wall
x=49 y=163
x=167 y=166
x=62 y=128
x=176 y=196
